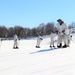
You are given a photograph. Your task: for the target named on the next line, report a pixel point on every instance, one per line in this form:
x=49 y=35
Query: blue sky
x=31 y=13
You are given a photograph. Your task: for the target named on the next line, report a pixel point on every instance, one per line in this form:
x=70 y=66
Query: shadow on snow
x=45 y=50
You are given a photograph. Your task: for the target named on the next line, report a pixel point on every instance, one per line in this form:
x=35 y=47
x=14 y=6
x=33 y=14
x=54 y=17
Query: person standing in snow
x=15 y=46
x=62 y=34
x=69 y=37
x=69 y=40
x=39 y=39
x=52 y=39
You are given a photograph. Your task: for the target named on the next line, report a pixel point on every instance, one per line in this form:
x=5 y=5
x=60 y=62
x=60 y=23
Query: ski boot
x=37 y=46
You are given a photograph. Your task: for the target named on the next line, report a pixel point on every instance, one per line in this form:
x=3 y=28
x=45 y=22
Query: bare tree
x=3 y=31
x=49 y=28
x=10 y=32
x=17 y=30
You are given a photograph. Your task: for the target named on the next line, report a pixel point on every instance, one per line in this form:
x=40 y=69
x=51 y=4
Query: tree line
x=44 y=29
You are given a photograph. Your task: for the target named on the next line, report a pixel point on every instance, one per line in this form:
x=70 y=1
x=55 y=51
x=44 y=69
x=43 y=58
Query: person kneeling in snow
x=39 y=39
x=15 y=46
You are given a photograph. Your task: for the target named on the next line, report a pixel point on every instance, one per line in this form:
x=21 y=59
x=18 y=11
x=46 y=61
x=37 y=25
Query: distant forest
x=44 y=29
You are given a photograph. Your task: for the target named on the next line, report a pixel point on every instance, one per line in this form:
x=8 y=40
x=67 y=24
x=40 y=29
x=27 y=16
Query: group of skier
x=62 y=33
x=63 y=36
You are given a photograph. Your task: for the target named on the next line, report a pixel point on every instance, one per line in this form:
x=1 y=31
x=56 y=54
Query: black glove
x=41 y=38
x=63 y=31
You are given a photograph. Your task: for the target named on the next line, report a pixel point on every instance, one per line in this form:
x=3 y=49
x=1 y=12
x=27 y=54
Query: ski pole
x=70 y=39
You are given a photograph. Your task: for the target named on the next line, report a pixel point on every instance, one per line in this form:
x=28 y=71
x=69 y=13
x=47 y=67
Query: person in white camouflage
x=52 y=39
x=39 y=39
x=62 y=34
x=15 y=46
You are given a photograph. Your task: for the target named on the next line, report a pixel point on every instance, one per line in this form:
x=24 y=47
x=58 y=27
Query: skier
x=15 y=46
x=39 y=39
x=62 y=34
x=52 y=39
x=69 y=39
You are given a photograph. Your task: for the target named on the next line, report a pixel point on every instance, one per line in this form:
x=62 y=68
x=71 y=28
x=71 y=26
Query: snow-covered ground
x=28 y=60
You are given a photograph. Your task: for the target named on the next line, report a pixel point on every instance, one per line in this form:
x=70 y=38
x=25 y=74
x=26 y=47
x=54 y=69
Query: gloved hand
x=63 y=31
